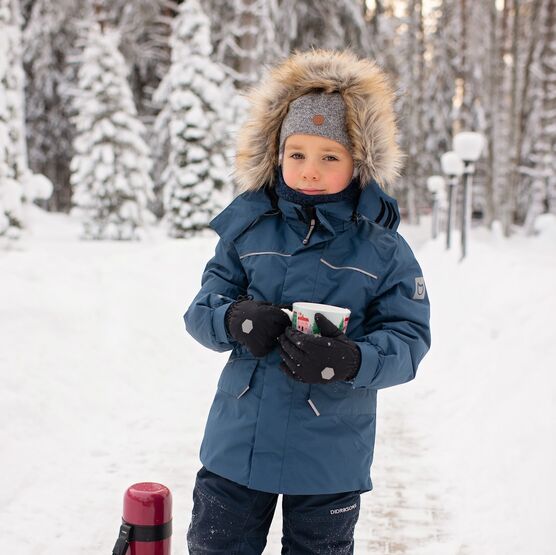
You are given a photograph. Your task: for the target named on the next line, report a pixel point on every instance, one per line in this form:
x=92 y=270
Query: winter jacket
x=265 y=430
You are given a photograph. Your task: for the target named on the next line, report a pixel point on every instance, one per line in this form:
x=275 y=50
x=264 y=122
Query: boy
x=312 y=225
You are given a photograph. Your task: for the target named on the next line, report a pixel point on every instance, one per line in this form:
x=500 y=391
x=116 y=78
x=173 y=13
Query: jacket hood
x=370 y=115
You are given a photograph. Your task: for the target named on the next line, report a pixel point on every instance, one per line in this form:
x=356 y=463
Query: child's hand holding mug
x=312 y=358
x=256 y=324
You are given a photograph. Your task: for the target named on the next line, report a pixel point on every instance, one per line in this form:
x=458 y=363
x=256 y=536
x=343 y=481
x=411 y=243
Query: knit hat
x=316 y=113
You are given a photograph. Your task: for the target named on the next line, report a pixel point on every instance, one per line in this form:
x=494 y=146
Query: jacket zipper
x=312 y=224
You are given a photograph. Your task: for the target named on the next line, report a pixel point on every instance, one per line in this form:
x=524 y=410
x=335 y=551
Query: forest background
x=138 y=103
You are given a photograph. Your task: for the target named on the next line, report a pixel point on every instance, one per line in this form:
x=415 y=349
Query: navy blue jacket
x=262 y=431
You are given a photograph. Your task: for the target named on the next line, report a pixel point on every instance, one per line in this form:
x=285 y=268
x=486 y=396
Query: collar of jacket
x=332 y=216
x=374 y=205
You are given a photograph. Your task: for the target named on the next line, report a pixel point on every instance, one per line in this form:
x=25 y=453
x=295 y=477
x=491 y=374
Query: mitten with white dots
x=313 y=359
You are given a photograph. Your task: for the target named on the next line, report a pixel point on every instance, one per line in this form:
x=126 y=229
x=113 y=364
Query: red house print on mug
x=301 y=322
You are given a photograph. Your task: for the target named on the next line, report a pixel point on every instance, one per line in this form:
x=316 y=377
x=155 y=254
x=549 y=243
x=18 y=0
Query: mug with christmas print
x=302 y=316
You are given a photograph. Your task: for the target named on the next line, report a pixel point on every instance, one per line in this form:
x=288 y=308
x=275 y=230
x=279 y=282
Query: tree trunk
x=510 y=198
x=492 y=131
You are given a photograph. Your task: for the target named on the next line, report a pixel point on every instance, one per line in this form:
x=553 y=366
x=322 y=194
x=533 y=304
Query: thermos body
x=146 y=522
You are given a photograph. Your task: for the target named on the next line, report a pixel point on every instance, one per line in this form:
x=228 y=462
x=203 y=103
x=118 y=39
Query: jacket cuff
x=218 y=323
x=370 y=362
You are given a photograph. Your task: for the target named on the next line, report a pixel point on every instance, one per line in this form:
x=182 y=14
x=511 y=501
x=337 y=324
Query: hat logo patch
x=318 y=119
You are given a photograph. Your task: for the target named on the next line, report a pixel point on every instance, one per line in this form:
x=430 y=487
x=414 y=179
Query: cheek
x=337 y=186
x=340 y=180
x=290 y=174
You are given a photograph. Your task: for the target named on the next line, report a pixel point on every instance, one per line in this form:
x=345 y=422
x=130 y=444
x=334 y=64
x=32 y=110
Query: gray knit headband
x=318 y=113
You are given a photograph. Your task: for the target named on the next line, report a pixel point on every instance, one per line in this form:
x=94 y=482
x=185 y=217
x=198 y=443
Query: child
x=313 y=224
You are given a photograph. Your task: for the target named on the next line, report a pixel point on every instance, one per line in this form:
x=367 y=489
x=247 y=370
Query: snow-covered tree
x=384 y=32
x=410 y=106
x=110 y=170
x=49 y=40
x=144 y=27
x=538 y=169
x=13 y=155
x=195 y=97
x=25 y=7
x=244 y=37
x=439 y=89
x=302 y=24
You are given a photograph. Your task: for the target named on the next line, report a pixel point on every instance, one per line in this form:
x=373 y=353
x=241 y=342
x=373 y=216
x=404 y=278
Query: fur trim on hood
x=370 y=116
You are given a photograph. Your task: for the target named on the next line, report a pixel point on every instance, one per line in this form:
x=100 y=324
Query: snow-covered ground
x=100 y=387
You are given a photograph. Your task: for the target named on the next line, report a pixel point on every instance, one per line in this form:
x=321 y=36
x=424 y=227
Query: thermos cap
x=147 y=504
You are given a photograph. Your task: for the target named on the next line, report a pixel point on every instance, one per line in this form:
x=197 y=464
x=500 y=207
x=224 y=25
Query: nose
x=310 y=172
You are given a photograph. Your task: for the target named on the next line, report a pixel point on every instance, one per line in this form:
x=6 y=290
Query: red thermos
x=147 y=521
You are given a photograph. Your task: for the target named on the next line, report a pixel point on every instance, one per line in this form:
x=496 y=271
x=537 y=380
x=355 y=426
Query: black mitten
x=256 y=324
x=312 y=359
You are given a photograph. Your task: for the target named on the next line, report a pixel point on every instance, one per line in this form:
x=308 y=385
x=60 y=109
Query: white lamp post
x=452 y=166
x=468 y=147
x=435 y=184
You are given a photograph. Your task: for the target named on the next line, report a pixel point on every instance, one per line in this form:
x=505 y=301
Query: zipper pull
x=312 y=224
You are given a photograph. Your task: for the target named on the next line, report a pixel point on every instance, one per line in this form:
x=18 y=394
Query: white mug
x=302 y=316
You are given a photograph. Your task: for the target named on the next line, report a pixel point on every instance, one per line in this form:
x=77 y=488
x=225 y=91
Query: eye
x=296 y=156
x=330 y=158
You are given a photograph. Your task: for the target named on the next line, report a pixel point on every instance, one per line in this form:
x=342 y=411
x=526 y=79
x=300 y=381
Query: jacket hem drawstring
x=311 y=403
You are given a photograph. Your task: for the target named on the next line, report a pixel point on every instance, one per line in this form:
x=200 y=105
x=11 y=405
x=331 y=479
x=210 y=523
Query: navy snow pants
x=230 y=519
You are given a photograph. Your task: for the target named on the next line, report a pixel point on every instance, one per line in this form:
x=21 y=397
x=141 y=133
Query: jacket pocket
x=236 y=376
x=341 y=398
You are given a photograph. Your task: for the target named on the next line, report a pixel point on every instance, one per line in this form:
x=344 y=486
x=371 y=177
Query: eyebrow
x=298 y=147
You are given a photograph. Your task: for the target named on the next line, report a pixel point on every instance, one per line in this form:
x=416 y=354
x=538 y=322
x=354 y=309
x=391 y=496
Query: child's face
x=315 y=165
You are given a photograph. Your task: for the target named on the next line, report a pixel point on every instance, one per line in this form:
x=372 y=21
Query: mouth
x=311 y=191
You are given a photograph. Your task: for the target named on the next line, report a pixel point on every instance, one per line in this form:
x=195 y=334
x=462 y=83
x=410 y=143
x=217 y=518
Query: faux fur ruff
x=369 y=114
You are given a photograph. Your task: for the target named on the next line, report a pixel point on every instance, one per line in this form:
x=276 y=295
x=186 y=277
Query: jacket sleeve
x=222 y=282
x=398 y=321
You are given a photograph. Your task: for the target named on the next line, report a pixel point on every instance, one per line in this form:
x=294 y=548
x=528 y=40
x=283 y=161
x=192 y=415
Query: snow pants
x=231 y=519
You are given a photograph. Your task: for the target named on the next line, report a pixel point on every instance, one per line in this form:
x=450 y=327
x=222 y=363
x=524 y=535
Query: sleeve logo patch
x=420 y=289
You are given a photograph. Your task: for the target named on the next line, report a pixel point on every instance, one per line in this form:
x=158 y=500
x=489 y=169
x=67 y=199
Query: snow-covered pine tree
x=497 y=99
x=145 y=27
x=439 y=89
x=410 y=105
x=302 y=24
x=384 y=37
x=25 y=7
x=110 y=170
x=13 y=155
x=549 y=108
x=538 y=169
x=472 y=21
x=244 y=37
x=195 y=97
x=49 y=40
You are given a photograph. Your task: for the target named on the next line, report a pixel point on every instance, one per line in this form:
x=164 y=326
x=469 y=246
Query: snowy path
x=405 y=513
